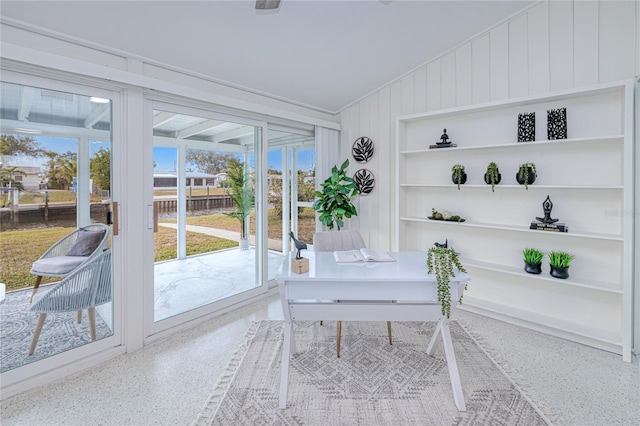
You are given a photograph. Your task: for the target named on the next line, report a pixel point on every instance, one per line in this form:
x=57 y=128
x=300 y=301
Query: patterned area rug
x=61 y=332
x=372 y=383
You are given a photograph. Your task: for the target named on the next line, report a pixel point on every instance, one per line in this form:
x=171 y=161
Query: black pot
x=488 y=182
x=533 y=268
x=530 y=178
x=463 y=178
x=559 y=272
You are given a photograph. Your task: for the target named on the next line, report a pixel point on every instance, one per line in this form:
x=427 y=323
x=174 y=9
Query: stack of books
x=554 y=227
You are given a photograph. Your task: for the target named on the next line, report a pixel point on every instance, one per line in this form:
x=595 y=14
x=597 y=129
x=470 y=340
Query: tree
x=240 y=190
x=306 y=189
x=21 y=145
x=209 y=161
x=101 y=169
x=7 y=177
x=62 y=169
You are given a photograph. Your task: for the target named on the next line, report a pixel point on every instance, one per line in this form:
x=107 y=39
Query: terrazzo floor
x=168 y=381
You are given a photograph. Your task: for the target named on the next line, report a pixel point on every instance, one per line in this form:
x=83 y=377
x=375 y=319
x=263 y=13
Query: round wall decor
x=365 y=181
x=362 y=149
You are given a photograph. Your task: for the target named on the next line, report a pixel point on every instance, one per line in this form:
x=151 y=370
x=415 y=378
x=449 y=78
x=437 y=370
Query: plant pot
x=488 y=182
x=533 y=268
x=244 y=244
x=462 y=180
x=530 y=178
x=559 y=272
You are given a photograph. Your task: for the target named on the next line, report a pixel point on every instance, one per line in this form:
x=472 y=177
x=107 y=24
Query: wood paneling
x=585 y=49
x=499 y=57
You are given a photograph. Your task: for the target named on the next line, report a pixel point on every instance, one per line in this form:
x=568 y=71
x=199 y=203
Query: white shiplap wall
x=548 y=47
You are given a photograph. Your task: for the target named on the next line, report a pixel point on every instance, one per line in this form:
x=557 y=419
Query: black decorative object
x=526 y=174
x=557 y=123
x=527 y=127
x=547 y=205
x=444 y=139
x=364 y=181
x=458 y=175
x=559 y=272
x=492 y=176
x=362 y=149
x=533 y=268
x=299 y=245
x=442 y=245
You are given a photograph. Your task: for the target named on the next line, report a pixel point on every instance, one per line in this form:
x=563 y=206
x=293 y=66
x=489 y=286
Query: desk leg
x=284 y=368
x=458 y=397
x=434 y=339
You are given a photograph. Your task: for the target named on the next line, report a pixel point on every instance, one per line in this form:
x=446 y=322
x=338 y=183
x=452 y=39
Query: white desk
x=373 y=291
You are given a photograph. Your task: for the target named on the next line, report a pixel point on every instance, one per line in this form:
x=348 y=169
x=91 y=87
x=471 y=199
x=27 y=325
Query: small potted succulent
x=458 y=175
x=532 y=260
x=492 y=176
x=560 y=262
x=526 y=174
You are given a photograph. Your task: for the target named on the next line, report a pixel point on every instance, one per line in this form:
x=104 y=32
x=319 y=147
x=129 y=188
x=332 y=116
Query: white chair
x=341 y=241
x=85 y=288
x=70 y=252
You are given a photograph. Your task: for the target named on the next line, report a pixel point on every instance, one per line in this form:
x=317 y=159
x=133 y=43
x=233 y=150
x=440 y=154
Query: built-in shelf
x=500 y=186
x=539 y=144
x=609 y=237
x=607 y=287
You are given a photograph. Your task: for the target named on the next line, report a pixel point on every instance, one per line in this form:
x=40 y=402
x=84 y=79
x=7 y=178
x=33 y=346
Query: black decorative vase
x=530 y=178
x=488 y=182
x=533 y=268
x=559 y=272
x=461 y=181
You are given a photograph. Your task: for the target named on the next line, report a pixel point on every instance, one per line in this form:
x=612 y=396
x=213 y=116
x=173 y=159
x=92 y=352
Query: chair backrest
x=86 y=287
x=337 y=241
x=62 y=247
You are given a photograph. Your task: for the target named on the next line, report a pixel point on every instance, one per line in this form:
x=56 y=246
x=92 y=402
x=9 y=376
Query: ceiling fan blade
x=267 y=4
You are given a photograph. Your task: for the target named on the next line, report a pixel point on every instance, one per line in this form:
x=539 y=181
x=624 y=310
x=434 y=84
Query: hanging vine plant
x=364 y=181
x=441 y=262
x=362 y=149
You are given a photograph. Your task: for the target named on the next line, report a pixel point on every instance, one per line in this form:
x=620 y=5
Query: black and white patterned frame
x=527 y=127
x=365 y=181
x=557 y=124
x=362 y=149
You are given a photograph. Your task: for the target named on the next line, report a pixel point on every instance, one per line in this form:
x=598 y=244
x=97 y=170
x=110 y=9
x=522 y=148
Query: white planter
x=244 y=244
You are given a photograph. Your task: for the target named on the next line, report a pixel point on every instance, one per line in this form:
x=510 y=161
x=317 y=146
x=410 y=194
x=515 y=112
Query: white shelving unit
x=589 y=177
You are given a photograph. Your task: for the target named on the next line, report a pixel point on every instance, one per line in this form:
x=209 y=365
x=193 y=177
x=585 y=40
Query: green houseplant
x=492 y=175
x=526 y=174
x=441 y=262
x=458 y=176
x=334 y=200
x=532 y=260
x=241 y=193
x=560 y=262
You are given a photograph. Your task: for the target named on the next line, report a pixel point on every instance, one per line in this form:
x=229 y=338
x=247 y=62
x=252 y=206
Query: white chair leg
x=92 y=323
x=36 y=333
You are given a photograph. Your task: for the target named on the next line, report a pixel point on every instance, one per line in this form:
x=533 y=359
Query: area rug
x=372 y=383
x=61 y=332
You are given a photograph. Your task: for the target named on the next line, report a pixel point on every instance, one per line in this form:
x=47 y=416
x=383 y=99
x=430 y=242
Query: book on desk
x=362 y=255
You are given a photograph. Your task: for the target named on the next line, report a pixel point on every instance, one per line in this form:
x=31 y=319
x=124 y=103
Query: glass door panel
x=55 y=177
x=205 y=211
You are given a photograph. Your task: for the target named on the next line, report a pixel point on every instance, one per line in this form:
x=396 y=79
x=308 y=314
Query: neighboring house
x=193 y=179
x=29 y=177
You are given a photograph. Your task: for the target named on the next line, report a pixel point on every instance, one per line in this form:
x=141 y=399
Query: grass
x=165 y=241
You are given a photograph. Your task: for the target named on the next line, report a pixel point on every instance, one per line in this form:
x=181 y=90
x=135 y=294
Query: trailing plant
x=532 y=256
x=560 y=259
x=492 y=175
x=241 y=193
x=334 y=201
x=523 y=173
x=441 y=262
x=457 y=170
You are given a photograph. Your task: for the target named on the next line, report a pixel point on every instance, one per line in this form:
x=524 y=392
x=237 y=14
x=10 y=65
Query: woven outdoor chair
x=70 y=252
x=85 y=288
x=341 y=241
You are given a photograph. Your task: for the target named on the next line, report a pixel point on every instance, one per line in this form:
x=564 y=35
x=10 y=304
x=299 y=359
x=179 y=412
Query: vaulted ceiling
x=322 y=54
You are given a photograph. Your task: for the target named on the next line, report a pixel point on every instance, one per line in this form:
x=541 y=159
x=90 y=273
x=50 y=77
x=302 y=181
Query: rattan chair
x=341 y=241
x=70 y=252
x=85 y=288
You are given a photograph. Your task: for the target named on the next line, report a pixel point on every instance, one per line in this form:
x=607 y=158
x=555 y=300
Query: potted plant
x=532 y=260
x=526 y=174
x=334 y=201
x=492 y=176
x=441 y=262
x=242 y=195
x=560 y=262
x=458 y=175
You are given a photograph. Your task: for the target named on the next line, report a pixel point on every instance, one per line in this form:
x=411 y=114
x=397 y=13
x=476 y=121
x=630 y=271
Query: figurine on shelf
x=547 y=205
x=444 y=138
x=299 y=245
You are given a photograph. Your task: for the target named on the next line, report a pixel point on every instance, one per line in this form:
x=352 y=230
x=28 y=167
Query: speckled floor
x=168 y=381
